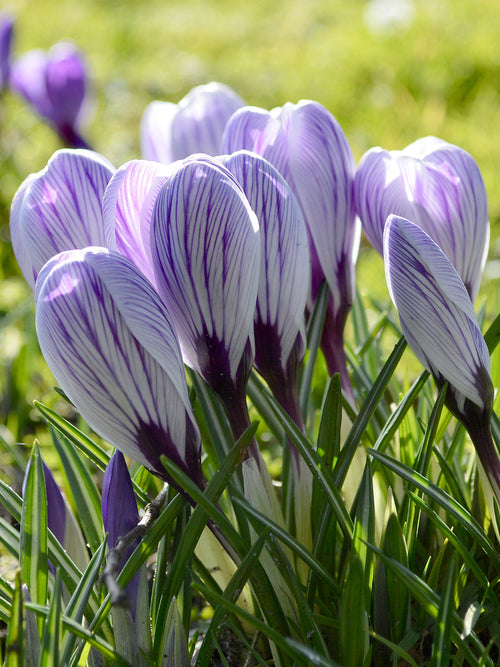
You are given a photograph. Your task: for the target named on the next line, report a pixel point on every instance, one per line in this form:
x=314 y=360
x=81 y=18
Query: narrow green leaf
x=314 y=331
x=218 y=433
x=49 y=656
x=364 y=528
x=141 y=553
x=175 y=650
x=331 y=421
x=85 y=444
x=397 y=595
x=14 y=644
x=492 y=336
x=463 y=549
x=231 y=593
x=315 y=464
x=287 y=539
x=80 y=599
x=33 y=531
x=445 y=501
x=369 y=406
x=231 y=540
x=85 y=493
x=430 y=601
x=353 y=617
x=9 y=537
x=396 y=649
x=391 y=426
x=95 y=641
x=289 y=646
x=444 y=621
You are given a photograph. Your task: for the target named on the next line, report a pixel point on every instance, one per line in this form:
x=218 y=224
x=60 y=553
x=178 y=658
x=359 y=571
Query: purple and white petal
x=156 y=132
x=6 y=38
x=59 y=208
x=119 y=514
x=119 y=506
x=171 y=132
x=306 y=144
x=66 y=83
x=27 y=78
x=127 y=207
x=201 y=118
x=206 y=249
x=436 y=313
x=110 y=344
x=439 y=187
x=284 y=280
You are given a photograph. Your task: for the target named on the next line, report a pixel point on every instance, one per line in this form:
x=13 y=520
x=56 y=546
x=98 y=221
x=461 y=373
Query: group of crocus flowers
x=54 y=83
x=211 y=253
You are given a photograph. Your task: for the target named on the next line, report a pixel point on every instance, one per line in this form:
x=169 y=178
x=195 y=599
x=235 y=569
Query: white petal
x=127 y=208
x=61 y=208
x=285 y=264
x=436 y=312
x=205 y=249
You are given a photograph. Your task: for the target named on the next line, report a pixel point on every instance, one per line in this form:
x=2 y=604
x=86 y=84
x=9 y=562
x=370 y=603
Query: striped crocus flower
x=439 y=323
x=59 y=208
x=6 y=38
x=439 y=187
x=205 y=250
x=111 y=346
x=60 y=518
x=120 y=514
x=308 y=147
x=55 y=83
x=127 y=208
x=284 y=281
x=171 y=132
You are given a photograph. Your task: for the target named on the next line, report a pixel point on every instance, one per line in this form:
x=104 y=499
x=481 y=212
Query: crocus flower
x=55 y=84
x=308 y=147
x=439 y=187
x=127 y=208
x=284 y=281
x=205 y=250
x=439 y=323
x=119 y=512
x=60 y=519
x=6 y=37
x=171 y=132
x=59 y=208
x=111 y=346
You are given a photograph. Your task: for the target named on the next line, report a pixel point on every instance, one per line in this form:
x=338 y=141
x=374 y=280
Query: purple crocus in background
x=171 y=132
x=308 y=147
x=439 y=323
x=59 y=208
x=109 y=341
x=55 y=83
x=439 y=187
x=205 y=250
x=6 y=38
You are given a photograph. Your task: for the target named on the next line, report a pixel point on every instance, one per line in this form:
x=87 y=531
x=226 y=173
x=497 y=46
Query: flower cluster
x=211 y=253
x=54 y=83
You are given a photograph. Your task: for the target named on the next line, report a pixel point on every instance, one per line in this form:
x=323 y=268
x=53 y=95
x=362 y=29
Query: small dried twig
x=115 y=555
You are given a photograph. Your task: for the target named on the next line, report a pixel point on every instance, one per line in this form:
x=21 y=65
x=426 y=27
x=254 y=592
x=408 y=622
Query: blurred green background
x=433 y=68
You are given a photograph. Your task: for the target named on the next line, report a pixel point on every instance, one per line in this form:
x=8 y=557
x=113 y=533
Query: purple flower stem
x=235 y=404
x=480 y=433
x=71 y=138
x=332 y=345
